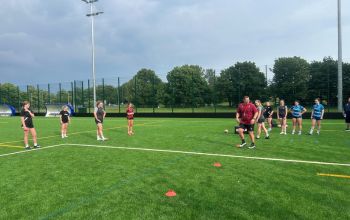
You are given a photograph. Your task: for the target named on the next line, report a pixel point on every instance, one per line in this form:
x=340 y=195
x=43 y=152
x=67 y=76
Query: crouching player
x=65 y=120
x=246 y=116
x=316 y=116
x=27 y=124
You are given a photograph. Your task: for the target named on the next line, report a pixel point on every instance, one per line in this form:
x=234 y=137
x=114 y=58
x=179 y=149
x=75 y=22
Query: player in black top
x=27 y=124
x=65 y=120
x=282 y=113
x=99 y=115
x=268 y=114
x=347 y=114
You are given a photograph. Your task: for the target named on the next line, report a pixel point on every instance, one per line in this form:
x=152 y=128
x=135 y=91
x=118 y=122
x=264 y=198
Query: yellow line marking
x=10 y=146
x=75 y=133
x=334 y=175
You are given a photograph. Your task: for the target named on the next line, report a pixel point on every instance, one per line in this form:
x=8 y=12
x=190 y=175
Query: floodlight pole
x=340 y=60
x=92 y=15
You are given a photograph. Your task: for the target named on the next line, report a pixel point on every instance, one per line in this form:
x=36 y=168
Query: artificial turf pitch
x=81 y=178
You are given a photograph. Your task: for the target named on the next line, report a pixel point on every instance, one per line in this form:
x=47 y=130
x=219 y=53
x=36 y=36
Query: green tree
x=239 y=80
x=291 y=78
x=144 y=89
x=187 y=86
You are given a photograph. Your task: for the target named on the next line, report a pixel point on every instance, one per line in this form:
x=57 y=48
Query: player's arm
x=31 y=113
x=61 y=119
x=286 y=112
x=255 y=117
x=278 y=113
x=238 y=116
x=104 y=114
x=259 y=114
x=304 y=110
x=95 y=115
x=23 y=123
x=312 y=113
x=271 y=113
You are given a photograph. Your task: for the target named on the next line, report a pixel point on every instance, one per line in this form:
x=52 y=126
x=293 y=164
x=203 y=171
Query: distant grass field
x=127 y=177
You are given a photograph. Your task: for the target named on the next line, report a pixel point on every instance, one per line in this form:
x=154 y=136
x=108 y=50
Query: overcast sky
x=45 y=41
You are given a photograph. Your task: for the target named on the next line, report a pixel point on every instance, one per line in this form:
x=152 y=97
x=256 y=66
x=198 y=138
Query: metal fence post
x=119 y=94
x=38 y=94
x=82 y=94
x=49 y=93
x=154 y=93
x=19 y=98
x=88 y=91
x=60 y=90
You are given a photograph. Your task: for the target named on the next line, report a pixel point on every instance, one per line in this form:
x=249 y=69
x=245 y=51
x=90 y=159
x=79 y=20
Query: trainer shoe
x=37 y=146
x=252 y=146
x=27 y=148
x=299 y=133
x=257 y=137
x=347 y=129
x=282 y=132
x=104 y=139
x=269 y=129
x=267 y=137
x=242 y=145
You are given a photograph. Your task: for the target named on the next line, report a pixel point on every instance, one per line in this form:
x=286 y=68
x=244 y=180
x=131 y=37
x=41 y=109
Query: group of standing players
x=249 y=114
x=27 y=124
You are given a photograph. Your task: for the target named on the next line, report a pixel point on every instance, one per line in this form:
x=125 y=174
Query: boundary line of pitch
x=188 y=153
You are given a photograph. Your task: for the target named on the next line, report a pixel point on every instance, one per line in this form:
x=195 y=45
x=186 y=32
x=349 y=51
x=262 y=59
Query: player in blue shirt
x=316 y=116
x=297 y=111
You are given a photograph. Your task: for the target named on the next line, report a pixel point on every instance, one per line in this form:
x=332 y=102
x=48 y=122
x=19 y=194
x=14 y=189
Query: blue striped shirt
x=296 y=110
x=318 y=110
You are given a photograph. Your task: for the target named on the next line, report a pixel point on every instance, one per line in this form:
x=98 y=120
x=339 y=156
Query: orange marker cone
x=217 y=164
x=170 y=193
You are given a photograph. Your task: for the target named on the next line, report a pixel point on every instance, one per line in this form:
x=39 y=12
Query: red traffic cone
x=217 y=164
x=170 y=193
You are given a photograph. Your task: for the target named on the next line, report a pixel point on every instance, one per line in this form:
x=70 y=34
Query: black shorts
x=261 y=120
x=281 y=116
x=248 y=127
x=28 y=124
x=99 y=122
x=64 y=121
x=347 y=118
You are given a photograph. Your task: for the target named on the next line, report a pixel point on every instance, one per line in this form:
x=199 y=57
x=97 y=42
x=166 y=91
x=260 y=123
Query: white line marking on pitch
x=211 y=154
x=27 y=151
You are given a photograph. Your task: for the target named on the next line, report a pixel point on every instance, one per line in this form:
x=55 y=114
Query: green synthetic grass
x=81 y=182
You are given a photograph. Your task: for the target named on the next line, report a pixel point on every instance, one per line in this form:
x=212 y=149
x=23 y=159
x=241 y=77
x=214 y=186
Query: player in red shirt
x=246 y=117
x=130 y=117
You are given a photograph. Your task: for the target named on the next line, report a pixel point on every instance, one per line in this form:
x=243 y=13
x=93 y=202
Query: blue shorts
x=316 y=118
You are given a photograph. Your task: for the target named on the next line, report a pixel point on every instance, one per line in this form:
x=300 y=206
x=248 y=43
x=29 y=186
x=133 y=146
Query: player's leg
x=65 y=129
x=132 y=126
x=319 y=126
x=252 y=138
x=100 y=126
x=300 y=123
x=241 y=135
x=269 y=120
x=259 y=131
x=294 y=120
x=267 y=136
x=34 y=136
x=129 y=127
x=313 y=124
x=283 y=125
x=62 y=130
x=26 y=144
x=98 y=131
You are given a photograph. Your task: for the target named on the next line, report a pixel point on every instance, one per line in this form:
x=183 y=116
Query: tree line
x=193 y=86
